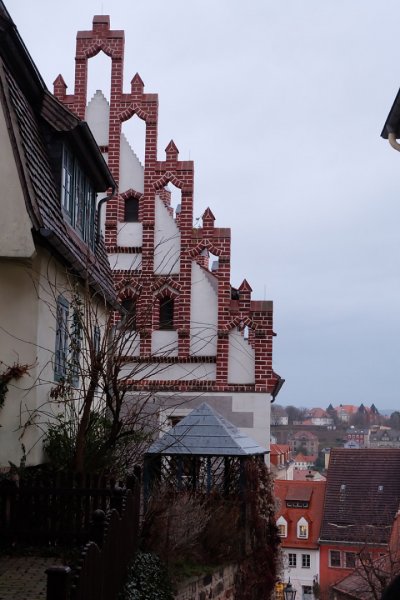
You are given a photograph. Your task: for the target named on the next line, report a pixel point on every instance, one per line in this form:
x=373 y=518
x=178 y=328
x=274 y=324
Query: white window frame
x=281 y=522
x=300 y=524
x=292 y=560
x=306 y=561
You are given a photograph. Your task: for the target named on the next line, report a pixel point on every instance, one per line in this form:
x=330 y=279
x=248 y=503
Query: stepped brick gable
x=217 y=340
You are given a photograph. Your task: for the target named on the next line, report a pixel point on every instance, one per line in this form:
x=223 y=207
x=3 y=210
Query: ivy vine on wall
x=16 y=371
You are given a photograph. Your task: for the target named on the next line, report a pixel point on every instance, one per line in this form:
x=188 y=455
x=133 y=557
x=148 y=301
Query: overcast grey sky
x=280 y=104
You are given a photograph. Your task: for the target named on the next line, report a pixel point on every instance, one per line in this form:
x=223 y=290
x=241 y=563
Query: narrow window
x=67 y=178
x=79 y=201
x=166 y=313
x=129 y=313
x=292 y=560
x=96 y=340
x=131 y=210
x=282 y=530
x=305 y=561
x=350 y=560
x=61 y=351
x=335 y=558
x=76 y=345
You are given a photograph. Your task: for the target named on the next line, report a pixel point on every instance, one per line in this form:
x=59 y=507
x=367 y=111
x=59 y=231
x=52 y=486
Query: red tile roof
x=312 y=490
x=362 y=495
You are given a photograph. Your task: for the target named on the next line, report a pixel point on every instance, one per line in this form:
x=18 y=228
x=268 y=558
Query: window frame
x=131 y=210
x=62 y=338
x=302 y=529
x=354 y=560
x=129 y=313
x=78 y=198
x=339 y=556
x=306 y=561
x=166 y=313
x=292 y=560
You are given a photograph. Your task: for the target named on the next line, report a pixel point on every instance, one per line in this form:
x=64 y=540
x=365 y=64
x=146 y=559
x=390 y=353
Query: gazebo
x=203 y=453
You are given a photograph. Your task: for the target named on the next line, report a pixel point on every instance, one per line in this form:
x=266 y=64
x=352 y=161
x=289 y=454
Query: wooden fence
x=75 y=510
x=102 y=567
x=55 y=509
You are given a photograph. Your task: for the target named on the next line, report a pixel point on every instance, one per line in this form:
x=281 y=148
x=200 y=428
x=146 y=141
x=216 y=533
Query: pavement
x=24 y=577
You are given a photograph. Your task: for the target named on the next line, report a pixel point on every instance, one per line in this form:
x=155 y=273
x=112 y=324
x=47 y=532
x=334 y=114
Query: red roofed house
x=298 y=517
x=361 y=502
x=304 y=462
x=282 y=463
x=319 y=416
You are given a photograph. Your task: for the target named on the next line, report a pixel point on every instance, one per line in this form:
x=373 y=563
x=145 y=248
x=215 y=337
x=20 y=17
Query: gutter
x=98 y=211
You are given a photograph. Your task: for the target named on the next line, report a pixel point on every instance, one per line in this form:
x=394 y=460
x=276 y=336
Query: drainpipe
x=98 y=212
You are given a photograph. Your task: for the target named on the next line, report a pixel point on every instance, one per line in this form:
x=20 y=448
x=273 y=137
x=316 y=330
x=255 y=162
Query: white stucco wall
x=164 y=343
x=130 y=234
x=167 y=241
x=97 y=115
x=241 y=359
x=131 y=172
x=203 y=313
x=16 y=238
x=29 y=292
x=126 y=262
x=300 y=576
x=170 y=372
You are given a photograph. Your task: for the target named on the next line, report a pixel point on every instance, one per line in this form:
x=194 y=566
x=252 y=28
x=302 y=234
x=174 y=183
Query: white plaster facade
x=301 y=577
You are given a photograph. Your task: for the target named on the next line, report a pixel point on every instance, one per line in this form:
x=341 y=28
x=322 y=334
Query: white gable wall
x=167 y=241
x=203 y=314
x=16 y=238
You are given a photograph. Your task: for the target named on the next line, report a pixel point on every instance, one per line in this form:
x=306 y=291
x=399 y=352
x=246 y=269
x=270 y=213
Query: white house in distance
x=45 y=242
x=198 y=338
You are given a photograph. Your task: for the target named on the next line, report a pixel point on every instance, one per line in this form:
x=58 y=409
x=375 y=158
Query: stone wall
x=220 y=585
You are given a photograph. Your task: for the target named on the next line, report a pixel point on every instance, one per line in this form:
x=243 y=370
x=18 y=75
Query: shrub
x=147 y=579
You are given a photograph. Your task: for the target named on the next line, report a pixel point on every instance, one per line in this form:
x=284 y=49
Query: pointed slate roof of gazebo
x=206 y=433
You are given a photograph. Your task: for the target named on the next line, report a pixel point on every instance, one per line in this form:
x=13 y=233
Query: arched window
x=282 y=527
x=302 y=528
x=166 y=313
x=128 y=315
x=131 y=210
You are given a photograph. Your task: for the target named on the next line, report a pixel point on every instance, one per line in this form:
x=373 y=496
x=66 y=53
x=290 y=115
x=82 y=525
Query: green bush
x=147 y=579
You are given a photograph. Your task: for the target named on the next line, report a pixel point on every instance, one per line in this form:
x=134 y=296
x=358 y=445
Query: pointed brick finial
x=208 y=218
x=172 y=151
x=245 y=287
x=59 y=87
x=137 y=84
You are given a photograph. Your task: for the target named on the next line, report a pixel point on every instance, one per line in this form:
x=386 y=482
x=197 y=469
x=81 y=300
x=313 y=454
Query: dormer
x=282 y=527
x=302 y=529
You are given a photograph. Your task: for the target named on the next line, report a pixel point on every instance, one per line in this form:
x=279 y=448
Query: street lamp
x=289 y=592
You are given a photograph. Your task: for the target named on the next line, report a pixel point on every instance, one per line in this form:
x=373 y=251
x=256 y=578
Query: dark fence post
x=58 y=581
x=97 y=527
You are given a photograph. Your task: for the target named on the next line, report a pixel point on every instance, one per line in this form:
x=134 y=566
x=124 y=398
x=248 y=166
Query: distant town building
x=303 y=441
x=360 y=436
x=319 y=417
x=282 y=463
x=385 y=438
x=298 y=517
x=304 y=462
